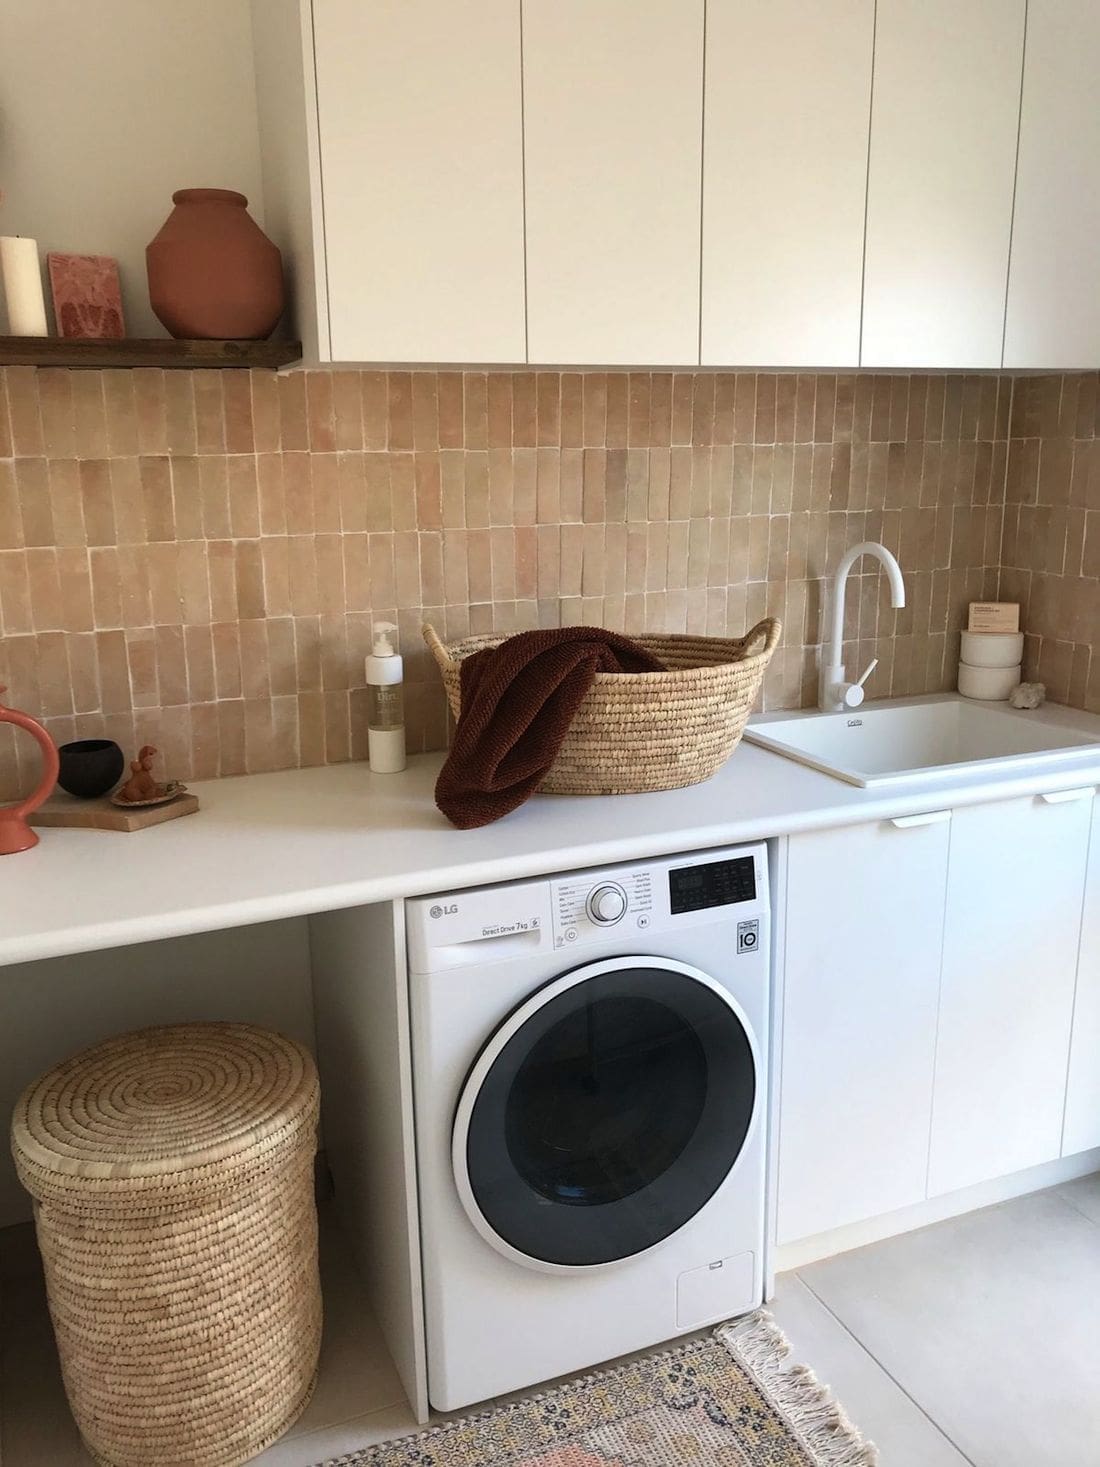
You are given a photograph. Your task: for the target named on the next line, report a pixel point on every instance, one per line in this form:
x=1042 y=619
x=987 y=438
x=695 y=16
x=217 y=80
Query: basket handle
x=435 y=645
x=770 y=629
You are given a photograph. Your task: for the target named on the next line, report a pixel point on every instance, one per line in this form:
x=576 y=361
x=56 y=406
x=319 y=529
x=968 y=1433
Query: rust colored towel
x=518 y=701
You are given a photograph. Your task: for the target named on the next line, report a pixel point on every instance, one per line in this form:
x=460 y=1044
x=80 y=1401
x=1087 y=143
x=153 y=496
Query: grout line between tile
x=885 y=1370
x=301 y=1432
x=1059 y=1192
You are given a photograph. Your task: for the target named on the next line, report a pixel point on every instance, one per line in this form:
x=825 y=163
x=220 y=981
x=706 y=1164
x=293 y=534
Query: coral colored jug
x=213 y=273
x=15 y=833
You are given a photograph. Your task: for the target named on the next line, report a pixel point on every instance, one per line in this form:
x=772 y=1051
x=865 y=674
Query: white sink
x=917 y=740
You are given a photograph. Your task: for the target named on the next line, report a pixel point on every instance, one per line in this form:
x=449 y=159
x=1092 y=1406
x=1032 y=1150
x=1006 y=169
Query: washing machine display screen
x=610 y=1118
x=716 y=884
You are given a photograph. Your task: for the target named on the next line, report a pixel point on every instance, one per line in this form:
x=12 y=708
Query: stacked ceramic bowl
x=989 y=667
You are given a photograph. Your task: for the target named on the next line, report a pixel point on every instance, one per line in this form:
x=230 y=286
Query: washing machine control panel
x=630 y=901
x=582 y=906
x=617 y=905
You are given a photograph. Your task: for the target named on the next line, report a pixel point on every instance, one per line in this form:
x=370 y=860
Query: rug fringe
x=809 y=1407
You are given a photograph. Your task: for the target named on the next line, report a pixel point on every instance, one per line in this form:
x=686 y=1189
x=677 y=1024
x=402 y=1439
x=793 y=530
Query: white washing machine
x=589 y=1074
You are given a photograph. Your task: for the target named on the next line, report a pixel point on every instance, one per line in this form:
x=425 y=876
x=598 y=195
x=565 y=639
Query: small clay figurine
x=141 y=785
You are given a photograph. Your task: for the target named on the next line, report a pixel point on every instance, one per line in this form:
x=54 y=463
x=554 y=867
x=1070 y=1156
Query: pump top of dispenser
x=385 y=666
x=383 y=642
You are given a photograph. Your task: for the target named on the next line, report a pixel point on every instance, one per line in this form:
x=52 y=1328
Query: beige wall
x=106 y=107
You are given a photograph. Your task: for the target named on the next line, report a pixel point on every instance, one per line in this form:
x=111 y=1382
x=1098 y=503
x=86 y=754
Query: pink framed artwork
x=87 y=301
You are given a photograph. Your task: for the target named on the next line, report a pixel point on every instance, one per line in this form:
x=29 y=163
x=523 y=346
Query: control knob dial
x=606 y=904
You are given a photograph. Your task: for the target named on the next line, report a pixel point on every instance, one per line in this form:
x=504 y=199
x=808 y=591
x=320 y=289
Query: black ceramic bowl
x=90 y=767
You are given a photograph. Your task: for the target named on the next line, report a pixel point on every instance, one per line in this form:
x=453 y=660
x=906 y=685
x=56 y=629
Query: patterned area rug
x=729 y=1400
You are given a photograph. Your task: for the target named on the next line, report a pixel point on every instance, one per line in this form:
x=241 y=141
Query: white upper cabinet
x=420 y=120
x=944 y=121
x=758 y=183
x=1054 y=278
x=788 y=96
x=612 y=121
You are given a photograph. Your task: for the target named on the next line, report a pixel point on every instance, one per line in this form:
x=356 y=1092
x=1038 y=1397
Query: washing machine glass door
x=604 y=1113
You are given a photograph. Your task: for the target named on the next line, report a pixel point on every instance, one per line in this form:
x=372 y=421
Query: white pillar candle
x=23 y=286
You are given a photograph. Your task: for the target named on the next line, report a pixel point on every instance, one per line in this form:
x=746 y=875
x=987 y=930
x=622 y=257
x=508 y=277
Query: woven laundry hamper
x=172 y=1172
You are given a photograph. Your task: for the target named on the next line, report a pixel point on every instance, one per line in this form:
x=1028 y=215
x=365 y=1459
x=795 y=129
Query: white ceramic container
x=993 y=684
x=992 y=649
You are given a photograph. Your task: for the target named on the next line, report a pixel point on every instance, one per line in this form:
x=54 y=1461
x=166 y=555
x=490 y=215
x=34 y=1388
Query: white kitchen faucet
x=835 y=693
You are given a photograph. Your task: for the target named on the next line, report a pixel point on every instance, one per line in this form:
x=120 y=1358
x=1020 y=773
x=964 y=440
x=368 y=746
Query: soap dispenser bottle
x=385 y=702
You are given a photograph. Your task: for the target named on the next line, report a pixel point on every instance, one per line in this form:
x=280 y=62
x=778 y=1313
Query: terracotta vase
x=213 y=273
x=15 y=833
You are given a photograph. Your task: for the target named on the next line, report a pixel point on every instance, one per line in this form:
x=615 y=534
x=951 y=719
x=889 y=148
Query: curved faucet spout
x=835 y=691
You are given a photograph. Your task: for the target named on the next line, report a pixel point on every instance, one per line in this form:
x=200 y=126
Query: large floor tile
x=338 y=1439
x=875 y=1403
x=988 y=1322
x=1084 y=1194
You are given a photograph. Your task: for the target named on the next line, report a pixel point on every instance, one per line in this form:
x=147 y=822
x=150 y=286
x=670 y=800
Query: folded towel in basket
x=518 y=702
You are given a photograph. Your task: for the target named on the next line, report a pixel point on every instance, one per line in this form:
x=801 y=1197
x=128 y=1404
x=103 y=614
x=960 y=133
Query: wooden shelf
x=52 y=351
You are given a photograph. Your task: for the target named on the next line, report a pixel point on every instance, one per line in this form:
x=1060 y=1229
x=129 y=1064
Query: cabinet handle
x=933 y=817
x=1066 y=797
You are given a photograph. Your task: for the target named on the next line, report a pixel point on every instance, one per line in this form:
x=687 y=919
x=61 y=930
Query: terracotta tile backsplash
x=1050 y=556
x=193 y=559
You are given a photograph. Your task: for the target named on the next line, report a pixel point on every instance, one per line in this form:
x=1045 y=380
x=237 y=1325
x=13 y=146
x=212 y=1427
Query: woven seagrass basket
x=172 y=1172
x=642 y=731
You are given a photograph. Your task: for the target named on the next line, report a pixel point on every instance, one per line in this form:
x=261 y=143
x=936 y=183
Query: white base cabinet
x=940 y=1006
x=1009 y=969
x=864 y=928
x=1081 y=1130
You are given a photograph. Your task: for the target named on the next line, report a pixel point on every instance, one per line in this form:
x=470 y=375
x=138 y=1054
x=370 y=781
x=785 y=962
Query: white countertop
x=265 y=846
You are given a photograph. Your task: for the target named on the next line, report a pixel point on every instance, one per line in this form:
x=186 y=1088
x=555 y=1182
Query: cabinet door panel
x=1082 y=1122
x=864 y=928
x=612 y=107
x=939 y=197
x=1009 y=966
x=421 y=142
x=788 y=96
x=1053 y=301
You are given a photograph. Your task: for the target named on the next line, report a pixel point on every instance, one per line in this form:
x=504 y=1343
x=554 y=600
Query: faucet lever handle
x=870 y=669
x=853 y=692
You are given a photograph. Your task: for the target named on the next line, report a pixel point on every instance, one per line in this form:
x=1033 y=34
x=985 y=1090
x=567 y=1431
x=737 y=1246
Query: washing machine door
x=605 y=1113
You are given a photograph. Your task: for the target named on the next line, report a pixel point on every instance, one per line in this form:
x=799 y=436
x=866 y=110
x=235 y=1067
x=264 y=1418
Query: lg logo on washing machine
x=440 y=911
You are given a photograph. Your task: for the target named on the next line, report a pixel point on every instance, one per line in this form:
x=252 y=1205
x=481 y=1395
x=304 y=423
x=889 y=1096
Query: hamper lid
x=156 y=1103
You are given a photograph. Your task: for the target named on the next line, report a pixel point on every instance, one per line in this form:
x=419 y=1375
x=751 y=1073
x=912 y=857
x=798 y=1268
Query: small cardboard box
x=994 y=616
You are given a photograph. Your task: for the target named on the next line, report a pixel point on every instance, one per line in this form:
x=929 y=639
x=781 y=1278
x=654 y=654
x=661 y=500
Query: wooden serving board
x=66 y=810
